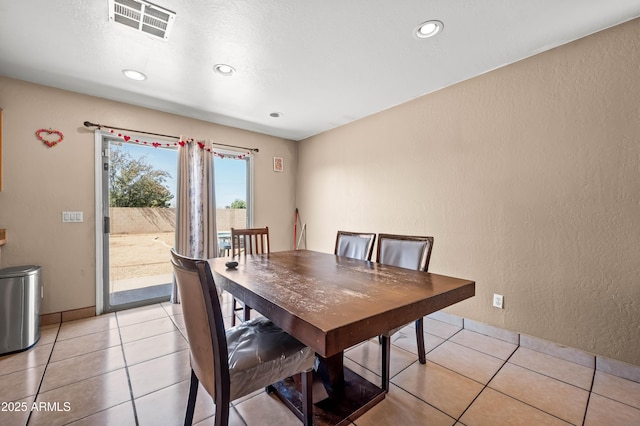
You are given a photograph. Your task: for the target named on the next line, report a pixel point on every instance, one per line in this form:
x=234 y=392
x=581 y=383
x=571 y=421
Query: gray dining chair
x=410 y=252
x=233 y=363
x=247 y=241
x=357 y=245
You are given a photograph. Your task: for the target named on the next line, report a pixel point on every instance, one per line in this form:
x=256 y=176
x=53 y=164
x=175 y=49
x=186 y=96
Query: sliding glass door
x=137 y=186
x=138 y=208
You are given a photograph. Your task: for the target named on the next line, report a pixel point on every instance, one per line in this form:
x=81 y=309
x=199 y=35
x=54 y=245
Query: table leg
x=347 y=397
x=331 y=372
x=386 y=358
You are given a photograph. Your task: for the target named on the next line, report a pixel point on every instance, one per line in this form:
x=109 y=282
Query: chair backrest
x=252 y=241
x=204 y=324
x=405 y=251
x=357 y=245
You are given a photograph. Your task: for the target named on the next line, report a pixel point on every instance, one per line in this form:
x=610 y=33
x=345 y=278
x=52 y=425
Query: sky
x=230 y=174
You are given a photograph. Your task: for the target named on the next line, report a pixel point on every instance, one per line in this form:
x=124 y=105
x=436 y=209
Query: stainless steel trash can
x=20 y=297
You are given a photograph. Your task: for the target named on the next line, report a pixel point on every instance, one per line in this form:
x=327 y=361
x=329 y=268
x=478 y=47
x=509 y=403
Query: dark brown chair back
x=204 y=324
x=250 y=241
x=411 y=252
x=405 y=251
x=357 y=245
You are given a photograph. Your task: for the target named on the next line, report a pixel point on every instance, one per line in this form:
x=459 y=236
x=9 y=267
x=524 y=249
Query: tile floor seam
x=467 y=377
x=400 y=348
x=92 y=414
x=84 y=335
x=524 y=402
x=475 y=350
x=149 y=337
x=46 y=365
x=483 y=352
x=133 y=324
x=25 y=368
x=233 y=407
x=373 y=372
x=126 y=370
x=420 y=399
x=417 y=361
x=611 y=399
x=163 y=387
x=80 y=380
x=436 y=346
x=395 y=384
x=554 y=378
x=529 y=405
x=77 y=355
x=175 y=328
x=586 y=408
x=485 y=385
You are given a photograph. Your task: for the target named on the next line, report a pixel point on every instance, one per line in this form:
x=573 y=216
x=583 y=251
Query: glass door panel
x=139 y=187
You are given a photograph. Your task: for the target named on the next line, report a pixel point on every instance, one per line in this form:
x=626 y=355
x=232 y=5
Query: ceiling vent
x=142 y=16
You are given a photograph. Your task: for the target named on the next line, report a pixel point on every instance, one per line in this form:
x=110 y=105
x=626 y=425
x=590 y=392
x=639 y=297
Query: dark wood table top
x=331 y=303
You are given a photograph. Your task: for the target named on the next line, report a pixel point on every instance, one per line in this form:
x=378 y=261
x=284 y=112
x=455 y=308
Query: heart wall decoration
x=50 y=137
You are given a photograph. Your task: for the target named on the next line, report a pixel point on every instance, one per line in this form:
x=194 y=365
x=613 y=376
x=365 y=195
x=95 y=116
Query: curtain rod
x=99 y=126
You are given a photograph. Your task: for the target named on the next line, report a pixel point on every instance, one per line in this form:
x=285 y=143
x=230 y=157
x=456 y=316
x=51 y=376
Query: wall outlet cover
x=498 y=301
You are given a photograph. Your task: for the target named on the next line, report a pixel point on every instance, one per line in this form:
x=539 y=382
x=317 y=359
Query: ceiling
x=320 y=63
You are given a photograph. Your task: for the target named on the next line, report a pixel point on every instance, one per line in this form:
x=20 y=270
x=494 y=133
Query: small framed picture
x=278 y=164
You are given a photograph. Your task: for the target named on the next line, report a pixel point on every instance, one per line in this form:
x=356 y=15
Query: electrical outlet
x=498 y=300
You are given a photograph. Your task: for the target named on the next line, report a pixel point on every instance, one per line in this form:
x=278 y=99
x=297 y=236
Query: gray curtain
x=196 y=233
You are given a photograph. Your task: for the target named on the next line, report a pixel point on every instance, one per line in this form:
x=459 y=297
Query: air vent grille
x=142 y=16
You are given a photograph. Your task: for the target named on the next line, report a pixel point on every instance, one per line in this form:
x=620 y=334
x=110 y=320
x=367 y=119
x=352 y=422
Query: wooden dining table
x=331 y=303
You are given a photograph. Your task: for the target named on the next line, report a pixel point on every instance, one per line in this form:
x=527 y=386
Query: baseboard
x=64 y=316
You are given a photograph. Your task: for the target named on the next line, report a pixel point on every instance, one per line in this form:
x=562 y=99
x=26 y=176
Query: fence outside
x=148 y=220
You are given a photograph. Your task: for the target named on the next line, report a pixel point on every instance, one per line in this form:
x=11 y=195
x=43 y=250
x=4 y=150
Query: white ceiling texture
x=321 y=64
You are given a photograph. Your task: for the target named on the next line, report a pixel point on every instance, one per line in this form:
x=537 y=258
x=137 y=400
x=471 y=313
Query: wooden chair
x=247 y=241
x=405 y=252
x=232 y=364
x=357 y=245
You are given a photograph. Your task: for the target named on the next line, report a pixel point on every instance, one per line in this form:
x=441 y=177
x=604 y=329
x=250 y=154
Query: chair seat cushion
x=261 y=353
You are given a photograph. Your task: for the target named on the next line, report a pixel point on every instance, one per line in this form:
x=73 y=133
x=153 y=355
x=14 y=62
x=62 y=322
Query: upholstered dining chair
x=233 y=363
x=357 y=245
x=411 y=252
x=247 y=241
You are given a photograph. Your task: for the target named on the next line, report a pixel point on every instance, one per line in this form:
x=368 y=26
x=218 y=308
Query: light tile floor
x=132 y=368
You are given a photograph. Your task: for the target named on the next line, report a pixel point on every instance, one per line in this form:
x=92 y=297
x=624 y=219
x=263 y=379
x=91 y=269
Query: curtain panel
x=196 y=233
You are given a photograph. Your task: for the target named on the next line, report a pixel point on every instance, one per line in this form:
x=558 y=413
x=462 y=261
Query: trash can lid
x=18 y=271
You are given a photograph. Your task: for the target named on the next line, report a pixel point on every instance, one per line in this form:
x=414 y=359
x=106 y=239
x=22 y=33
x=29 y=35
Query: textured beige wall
x=40 y=182
x=528 y=177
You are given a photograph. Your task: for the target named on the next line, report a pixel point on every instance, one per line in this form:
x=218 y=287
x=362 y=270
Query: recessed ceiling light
x=224 y=69
x=134 y=75
x=276 y=114
x=429 y=29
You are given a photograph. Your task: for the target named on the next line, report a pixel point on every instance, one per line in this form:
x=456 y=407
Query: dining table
x=332 y=303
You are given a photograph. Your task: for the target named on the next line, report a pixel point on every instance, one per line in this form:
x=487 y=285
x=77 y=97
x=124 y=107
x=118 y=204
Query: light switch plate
x=72 y=217
x=498 y=301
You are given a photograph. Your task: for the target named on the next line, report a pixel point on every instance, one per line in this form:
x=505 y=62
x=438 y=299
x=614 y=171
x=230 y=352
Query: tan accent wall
x=144 y=220
x=141 y=220
x=40 y=182
x=528 y=177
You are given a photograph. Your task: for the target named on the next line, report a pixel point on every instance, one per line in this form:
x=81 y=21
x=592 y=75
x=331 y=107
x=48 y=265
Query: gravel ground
x=140 y=255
